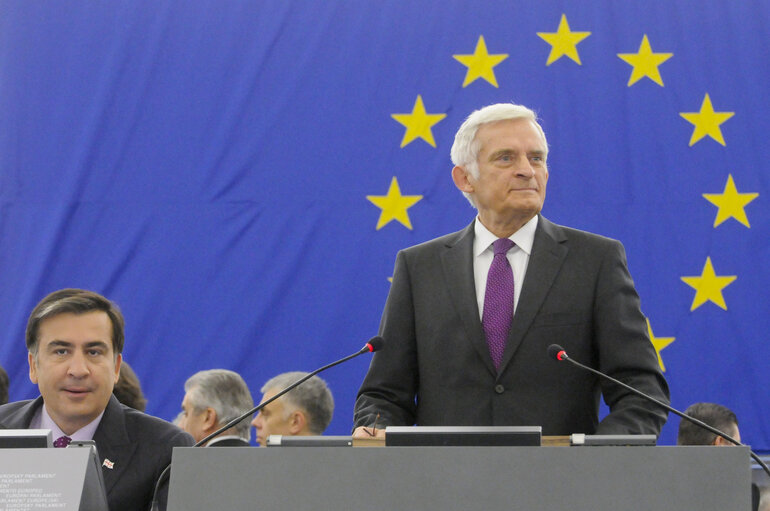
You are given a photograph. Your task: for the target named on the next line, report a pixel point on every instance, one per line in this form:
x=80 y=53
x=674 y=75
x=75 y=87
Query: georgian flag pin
x=107 y=463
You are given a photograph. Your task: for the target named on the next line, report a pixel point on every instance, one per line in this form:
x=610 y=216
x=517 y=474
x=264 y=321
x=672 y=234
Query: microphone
x=374 y=344
x=558 y=353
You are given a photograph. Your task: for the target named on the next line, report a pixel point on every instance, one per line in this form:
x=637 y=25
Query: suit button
x=499 y=389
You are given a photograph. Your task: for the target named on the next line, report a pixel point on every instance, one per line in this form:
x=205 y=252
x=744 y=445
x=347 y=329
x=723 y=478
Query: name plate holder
x=37 y=479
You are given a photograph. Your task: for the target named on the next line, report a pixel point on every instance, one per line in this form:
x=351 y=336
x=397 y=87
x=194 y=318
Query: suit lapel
x=547 y=257
x=457 y=264
x=113 y=443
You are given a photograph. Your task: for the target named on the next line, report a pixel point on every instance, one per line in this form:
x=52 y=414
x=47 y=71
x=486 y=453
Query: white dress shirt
x=518 y=257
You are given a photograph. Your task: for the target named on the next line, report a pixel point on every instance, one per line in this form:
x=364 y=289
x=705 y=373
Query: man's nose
x=524 y=168
x=78 y=366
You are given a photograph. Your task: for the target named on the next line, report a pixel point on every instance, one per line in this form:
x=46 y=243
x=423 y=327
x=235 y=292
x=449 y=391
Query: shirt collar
x=224 y=437
x=84 y=433
x=523 y=238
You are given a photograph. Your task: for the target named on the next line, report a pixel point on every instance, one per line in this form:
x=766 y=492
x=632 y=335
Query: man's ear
x=32 y=368
x=462 y=179
x=297 y=422
x=118 y=361
x=210 y=420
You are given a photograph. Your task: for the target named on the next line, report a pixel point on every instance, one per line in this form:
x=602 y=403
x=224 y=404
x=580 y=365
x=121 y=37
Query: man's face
x=512 y=171
x=192 y=422
x=272 y=419
x=75 y=367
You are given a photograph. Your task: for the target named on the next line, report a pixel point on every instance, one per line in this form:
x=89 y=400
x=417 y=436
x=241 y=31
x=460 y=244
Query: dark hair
x=4 y=383
x=716 y=416
x=74 y=301
x=128 y=390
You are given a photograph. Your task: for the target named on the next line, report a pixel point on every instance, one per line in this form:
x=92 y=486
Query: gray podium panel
x=461 y=478
x=37 y=479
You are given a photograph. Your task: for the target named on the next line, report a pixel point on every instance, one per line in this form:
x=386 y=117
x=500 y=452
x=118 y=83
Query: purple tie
x=62 y=441
x=498 y=301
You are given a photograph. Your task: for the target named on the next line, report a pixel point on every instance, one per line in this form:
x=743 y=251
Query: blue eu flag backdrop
x=238 y=176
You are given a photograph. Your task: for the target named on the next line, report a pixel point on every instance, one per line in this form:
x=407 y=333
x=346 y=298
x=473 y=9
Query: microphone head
x=557 y=352
x=375 y=343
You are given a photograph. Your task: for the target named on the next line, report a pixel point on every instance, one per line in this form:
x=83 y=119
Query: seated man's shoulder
x=153 y=429
x=11 y=407
x=15 y=410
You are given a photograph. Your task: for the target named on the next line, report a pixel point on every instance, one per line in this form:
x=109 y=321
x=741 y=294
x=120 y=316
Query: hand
x=367 y=432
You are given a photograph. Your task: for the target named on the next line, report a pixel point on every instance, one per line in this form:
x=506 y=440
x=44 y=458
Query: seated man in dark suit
x=212 y=399
x=718 y=417
x=75 y=339
x=470 y=315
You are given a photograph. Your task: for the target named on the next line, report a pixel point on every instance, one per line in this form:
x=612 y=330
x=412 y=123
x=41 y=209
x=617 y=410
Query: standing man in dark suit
x=75 y=339
x=212 y=399
x=470 y=315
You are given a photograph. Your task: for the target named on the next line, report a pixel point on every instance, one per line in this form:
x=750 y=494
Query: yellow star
x=707 y=122
x=418 y=123
x=708 y=287
x=659 y=343
x=730 y=203
x=394 y=205
x=480 y=64
x=563 y=42
x=645 y=63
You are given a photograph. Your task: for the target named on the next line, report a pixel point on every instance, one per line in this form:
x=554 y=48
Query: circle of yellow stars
x=645 y=63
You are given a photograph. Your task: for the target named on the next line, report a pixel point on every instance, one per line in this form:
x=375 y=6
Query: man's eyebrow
x=95 y=344
x=59 y=344
x=501 y=152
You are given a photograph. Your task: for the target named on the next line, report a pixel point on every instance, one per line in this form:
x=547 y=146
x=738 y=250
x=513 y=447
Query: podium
x=66 y=479
x=461 y=478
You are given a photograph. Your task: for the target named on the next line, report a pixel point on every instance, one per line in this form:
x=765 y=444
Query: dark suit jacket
x=138 y=445
x=435 y=367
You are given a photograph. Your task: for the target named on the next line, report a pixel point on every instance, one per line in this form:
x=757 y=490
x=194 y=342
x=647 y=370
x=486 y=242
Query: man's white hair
x=313 y=397
x=225 y=392
x=465 y=149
